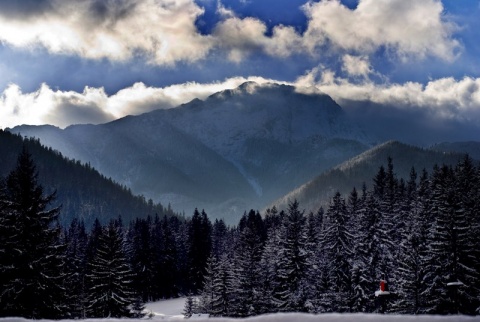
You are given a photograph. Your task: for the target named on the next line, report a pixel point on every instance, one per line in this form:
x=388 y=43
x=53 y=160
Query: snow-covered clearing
x=171 y=310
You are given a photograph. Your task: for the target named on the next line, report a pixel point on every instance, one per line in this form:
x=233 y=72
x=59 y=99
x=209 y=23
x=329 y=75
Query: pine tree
x=248 y=254
x=164 y=260
x=269 y=281
x=467 y=221
x=292 y=289
x=411 y=268
x=443 y=243
x=338 y=244
x=365 y=269
x=76 y=240
x=189 y=308
x=32 y=258
x=110 y=292
x=200 y=244
x=225 y=288
x=143 y=258
x=219 y=238
x=385 y=232
x=217 y=297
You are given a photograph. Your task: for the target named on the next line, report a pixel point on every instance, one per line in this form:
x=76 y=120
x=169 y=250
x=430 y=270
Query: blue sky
x=64 y=62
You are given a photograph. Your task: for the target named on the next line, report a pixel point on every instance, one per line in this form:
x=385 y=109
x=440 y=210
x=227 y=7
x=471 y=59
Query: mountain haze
x=237 y=149
x=472 y=148
x=81 y=191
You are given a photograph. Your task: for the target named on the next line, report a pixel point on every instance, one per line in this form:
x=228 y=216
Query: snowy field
x=171 y=310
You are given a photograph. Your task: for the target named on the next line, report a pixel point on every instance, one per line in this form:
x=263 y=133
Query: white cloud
x=405 y=27
x=93 y=105
x=356 y=65
x=223 y=11
x=444 y=98
x=163 y=30
x=441 y=99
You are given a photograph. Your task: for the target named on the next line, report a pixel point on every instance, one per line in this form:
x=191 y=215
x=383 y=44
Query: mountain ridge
x=360 y=169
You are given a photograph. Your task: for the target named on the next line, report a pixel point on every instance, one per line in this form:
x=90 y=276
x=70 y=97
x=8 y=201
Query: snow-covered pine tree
x=32 y=256
x=110 y=292
x=365 y=269
x=292 y=289
x=386 y=236
x=224 y=301
x=313 y=273
x=248 y=254
x=361 y=286
x=189 y=308
x=269 y=265
x=443 y=255
x=76 y=240
x=467 y=186
x=208 y=290
x=218 y=297
x=410 y=270
x=219 y=238
x=338 y=245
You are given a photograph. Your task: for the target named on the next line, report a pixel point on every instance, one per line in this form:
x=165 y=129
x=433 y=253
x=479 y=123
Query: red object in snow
x=382 y=286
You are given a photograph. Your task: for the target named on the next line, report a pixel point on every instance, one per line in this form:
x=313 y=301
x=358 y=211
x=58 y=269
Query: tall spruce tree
x=32 y=260
x=110 y=291
x=269 y=267
x=200 y=245
x=292 y=289
x=338 y=243
x=143 y=258
x=443 y=260
x=76 y=240
x=466 y=190
x=248 y=254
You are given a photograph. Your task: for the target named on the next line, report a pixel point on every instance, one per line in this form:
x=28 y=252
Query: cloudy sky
x=66 y=62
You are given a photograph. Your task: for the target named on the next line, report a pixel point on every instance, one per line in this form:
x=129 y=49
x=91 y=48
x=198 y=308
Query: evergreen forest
x=421 y=236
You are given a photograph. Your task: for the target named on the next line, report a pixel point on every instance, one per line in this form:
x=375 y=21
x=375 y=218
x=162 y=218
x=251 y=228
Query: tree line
x=110 y=270
x=420 y=235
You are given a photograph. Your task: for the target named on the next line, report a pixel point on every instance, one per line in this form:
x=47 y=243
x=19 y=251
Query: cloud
x=164 y=31
x=444 y=98
x=356 y=65
x=93 y=105
x=404 y=27
x=240 y=38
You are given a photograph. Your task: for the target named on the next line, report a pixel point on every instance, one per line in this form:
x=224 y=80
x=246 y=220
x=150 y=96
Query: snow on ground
x=166 y=309
x=171 y=311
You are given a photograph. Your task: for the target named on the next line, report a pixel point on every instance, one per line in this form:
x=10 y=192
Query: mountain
x=471 y=148
x=81 y=191
x=361 y=169
x=237 y=149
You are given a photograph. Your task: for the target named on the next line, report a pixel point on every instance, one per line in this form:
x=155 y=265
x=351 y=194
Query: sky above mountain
x=65 y=62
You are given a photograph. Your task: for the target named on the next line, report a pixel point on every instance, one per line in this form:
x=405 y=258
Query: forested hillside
x=421 y=236
x=360 y=170
x=82 y=192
